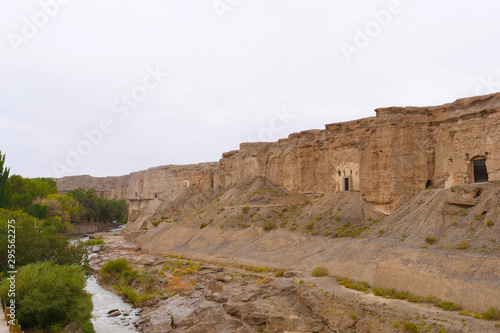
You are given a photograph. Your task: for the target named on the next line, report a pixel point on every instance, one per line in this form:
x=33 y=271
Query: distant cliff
x=388 y=158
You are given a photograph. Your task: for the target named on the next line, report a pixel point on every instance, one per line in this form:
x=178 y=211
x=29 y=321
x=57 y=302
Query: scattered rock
x=114 y=313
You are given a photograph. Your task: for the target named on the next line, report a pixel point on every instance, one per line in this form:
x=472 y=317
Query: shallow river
x=104 y=301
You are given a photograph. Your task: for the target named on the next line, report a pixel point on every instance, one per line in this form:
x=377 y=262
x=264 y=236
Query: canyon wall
x=388 y=158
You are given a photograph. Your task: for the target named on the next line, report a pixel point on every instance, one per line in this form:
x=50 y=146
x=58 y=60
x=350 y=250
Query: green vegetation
x=36 y=242
x=490 y=223
x=410 y=327
x=280 y=273
x=430 y=240
x=203 y=225
x=50 y=295
x=360 y=286
x=94 y=208
x=354 y=316
x=245 y=209
x=97 y=241
x=492 y=314
x=319 y=271
x=51 y=271
x=463 y=245
x=5 y=185
x=448 y=306
x=122 y=277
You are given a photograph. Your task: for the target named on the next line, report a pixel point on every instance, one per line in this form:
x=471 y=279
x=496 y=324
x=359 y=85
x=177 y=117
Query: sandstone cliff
x=321 y=197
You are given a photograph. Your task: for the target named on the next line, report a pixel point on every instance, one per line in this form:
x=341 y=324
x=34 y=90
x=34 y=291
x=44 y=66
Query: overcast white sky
x=232 y=64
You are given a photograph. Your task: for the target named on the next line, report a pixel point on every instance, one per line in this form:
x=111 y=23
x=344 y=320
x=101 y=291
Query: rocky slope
x=228 y=298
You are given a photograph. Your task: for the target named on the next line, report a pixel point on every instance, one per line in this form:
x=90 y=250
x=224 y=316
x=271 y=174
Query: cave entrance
x=346 y=184
x=480 y=171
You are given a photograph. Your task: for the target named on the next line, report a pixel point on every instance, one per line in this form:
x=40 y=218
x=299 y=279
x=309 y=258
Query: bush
x=245 y=209
x=50 y=294
x=203 y=225
x=490 y=223
x=280 y=273
x=354 y=316
x=269 y=226
x=463 y=245
x=319 y=271
x=430 y=240
x=96 y=241
x=410 y=327
x=118 y=270
x=448 y=306
x=492 y=314
x=360 y=286
x=36 y=241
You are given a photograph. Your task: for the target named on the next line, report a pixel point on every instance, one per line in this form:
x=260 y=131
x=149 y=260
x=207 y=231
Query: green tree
x=50 y=294
x=37 y=241
x=26 y=190
x=5 y=186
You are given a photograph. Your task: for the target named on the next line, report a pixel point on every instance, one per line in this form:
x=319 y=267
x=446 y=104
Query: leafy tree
x=99 y=209
x=26 y=190
x=37 y=241
x=5 y=186
x=50 y=294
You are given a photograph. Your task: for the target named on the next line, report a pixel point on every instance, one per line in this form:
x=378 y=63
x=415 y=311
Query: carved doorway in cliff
x=480 y=171
x=346 y=184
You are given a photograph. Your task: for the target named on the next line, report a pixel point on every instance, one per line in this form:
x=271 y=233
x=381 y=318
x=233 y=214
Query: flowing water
x=105 y=301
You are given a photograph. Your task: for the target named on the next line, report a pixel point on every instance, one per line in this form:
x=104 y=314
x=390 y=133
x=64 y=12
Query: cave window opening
x=156 y=195
x=428 y=184
x=480 y=171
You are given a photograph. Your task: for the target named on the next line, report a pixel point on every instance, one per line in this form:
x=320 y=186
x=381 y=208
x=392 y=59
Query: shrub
x=48 y=294
x=155 y=223
x=490 y=223
x=280 y=273
x=430 y=240
x=337 y=218
x=319 y=271
x=410 y=327
x=448 y=306
x=492 y=314
x=463 y=245
x=96 y=241
x=354 y=316
x=314 y=232
x=269 y=226
x=479 y=217
x=203 y=225
x=245 y=209
x=360 y=286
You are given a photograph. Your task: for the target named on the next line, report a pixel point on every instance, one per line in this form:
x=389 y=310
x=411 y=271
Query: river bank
x=206 y=297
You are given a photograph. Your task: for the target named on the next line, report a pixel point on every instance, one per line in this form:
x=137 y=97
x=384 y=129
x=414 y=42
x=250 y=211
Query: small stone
x=115 y=313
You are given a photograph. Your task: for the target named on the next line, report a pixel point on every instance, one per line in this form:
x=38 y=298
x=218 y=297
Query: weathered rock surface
x=244 y=301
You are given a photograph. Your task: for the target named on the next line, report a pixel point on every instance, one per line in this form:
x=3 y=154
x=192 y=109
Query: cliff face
x=388 y=158
x=148 y=184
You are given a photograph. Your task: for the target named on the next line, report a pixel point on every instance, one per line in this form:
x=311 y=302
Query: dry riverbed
x=195 y=296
